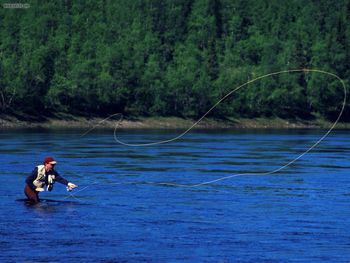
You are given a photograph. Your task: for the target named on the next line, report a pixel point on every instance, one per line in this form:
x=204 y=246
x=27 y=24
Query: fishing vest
x=40 y=180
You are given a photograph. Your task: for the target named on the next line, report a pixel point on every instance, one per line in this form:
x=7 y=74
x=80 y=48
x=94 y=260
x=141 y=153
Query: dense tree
x=174 y=58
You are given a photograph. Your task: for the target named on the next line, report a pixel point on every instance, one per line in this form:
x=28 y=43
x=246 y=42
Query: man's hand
x=71 y=186
x=39 y=189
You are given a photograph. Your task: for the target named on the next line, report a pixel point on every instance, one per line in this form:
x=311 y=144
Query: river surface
x=122 y=211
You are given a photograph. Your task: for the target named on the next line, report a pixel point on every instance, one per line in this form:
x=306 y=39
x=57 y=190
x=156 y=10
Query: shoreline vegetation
x=79 y=122
x=284 y=59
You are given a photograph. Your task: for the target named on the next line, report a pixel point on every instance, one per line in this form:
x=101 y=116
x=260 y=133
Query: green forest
x=174 y=57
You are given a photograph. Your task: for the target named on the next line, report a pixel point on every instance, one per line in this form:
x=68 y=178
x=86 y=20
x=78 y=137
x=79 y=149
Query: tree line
x=174 y=58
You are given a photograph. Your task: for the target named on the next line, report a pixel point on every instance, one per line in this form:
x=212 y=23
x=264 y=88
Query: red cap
x=49 y=160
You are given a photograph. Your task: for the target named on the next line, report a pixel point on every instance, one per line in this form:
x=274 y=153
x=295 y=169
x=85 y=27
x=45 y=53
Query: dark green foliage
x=174 y=58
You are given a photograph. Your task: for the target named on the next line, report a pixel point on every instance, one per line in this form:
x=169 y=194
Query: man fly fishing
x=44 y=176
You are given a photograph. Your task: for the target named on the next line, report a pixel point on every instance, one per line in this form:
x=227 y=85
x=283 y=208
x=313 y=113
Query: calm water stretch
x=117 y=214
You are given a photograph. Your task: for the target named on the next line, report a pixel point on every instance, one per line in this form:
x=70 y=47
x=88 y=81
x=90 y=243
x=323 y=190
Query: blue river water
x=121 y=211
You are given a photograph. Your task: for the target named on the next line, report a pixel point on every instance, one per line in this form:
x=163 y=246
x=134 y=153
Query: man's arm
x=60 y=179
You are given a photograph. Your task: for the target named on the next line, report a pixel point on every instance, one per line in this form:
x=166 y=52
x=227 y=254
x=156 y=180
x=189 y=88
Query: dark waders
x=31 y=194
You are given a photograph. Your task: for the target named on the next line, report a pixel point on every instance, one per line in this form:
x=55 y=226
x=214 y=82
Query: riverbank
x=68 y=121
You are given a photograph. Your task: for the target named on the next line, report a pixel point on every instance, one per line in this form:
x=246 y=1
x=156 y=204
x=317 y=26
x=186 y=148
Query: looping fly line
x=211 y=109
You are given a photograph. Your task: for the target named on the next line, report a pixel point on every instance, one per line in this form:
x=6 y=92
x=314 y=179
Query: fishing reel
x=49 y=187
x=50 y=182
